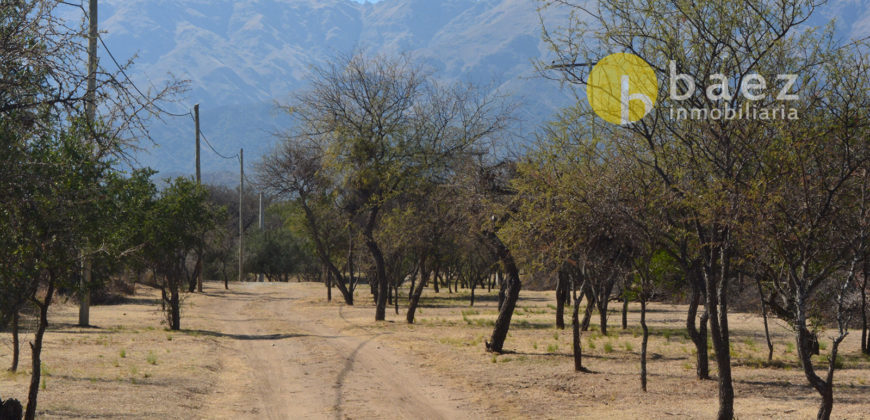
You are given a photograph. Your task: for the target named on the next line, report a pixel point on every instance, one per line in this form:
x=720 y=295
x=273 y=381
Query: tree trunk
x=174 y=307
x=590 y=306
x=417 y=292
x=575 y=327
x=602 y=317
x=602 y=299
x=16 y=348
x=502 y=285
x=561 y=292
x=865 y=337
x=380 y=279
x=804 y=347
x=643 y=344
x=191 y=287
x=764 y=316
x=328 y=287
x=512 y=293
x=624 y=312
x=396 y=297
x=716 y=286
x=698 y=334
x=435 y=278
x=36 y=351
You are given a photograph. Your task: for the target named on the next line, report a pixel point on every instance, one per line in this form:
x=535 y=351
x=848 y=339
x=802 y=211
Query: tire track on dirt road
x=280 y=360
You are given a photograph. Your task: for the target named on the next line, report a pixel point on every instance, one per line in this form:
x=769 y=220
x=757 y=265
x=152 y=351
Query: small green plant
x=627 y=346
x=152 y=358
x=552 y=348
x=44 y=383
x=556 y=335
x=590 y=344
x=123 y=353
x=823 y=345
x=535 y=345
x=608 y=347
x=494 y=358
x=789 y=347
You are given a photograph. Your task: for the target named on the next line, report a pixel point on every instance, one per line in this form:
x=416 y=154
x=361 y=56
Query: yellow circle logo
x=622 y=88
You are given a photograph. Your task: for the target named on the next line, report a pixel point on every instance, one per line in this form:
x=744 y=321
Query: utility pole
x=91 y=114
x=199 y=272
x=261 y=225
x=241 y=222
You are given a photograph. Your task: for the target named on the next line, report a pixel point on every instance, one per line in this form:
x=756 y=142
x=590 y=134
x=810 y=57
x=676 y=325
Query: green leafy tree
x=174 y=228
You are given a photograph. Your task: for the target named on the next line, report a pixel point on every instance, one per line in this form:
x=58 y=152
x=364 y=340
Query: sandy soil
x=281 y=351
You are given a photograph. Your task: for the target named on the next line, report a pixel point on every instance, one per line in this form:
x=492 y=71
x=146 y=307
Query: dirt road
x=281 y=360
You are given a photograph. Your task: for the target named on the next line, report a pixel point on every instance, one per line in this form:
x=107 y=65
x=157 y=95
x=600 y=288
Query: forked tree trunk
x=716 y=285
x=601 y=302
x=416 y=293
x=36 y=351
x=823 y=386
x=512 y=293
x=380 y=278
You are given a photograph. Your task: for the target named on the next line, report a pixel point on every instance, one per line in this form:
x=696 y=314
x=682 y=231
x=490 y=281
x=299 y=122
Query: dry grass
x=535 y=376
x=130 y=367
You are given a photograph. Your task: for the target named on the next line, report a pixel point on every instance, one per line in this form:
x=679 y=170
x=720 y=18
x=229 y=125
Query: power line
x=121 y=69
x=145 y=97
x=235 y=156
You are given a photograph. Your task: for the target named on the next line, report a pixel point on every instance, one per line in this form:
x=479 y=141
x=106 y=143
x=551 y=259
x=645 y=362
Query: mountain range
x=242 y=56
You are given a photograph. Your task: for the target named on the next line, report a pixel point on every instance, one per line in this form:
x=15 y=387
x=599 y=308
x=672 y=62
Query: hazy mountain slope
x=241 y=56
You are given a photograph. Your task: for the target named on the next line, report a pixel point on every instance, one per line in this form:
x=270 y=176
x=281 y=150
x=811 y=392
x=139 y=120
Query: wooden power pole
x=199 y=272
x=261 y=225
x=241 y=222
x=91 y=114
